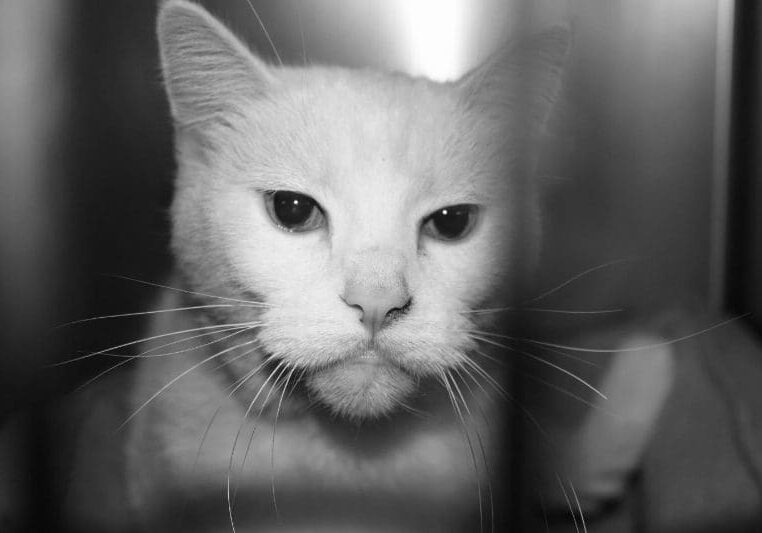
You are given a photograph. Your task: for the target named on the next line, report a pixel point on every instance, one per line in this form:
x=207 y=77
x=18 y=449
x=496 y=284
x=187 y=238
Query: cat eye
x=450 y=223
x=294 y=212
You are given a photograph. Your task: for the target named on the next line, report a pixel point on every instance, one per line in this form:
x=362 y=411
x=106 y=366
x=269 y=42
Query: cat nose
x=379 y=305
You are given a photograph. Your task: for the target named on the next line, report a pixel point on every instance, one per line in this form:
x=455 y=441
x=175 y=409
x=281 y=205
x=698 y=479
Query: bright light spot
x=432 y=37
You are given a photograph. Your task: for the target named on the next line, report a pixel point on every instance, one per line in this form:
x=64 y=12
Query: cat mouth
x=370 y=357
x=367 y=384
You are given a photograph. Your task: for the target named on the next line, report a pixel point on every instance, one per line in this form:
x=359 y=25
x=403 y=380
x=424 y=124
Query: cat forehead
x=333 y=128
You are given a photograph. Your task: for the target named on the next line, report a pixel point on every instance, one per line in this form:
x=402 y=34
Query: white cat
x=334 y=231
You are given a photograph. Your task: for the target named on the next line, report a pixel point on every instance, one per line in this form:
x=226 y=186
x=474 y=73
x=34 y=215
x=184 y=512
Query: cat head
x=369 y=212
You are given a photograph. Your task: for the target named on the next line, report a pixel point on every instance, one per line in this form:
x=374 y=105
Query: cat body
x=168 y=469
x=314 y=365
x=403 y=474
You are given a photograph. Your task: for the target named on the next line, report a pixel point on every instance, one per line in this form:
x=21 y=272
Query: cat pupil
x=451 y=222
x=293 y=211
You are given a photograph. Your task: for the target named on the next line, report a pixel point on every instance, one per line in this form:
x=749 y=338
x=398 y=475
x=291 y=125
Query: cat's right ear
x=522 y=79
x=208 y=71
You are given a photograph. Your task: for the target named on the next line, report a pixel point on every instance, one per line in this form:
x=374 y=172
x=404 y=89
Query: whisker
x=544 y=511
x=235 y=386
x=460 y=395
x=237 y=437
x=145 y=354
x=570 y=356
x=545 y=348
x=275 y=385
x=630 y=349
x=305 y=60
x=413 y=411
x=547 y=310
x=565 y=392
x=542 y=432
x=296 y=382
x=545 y=362
x=238 y=479
x=153 y=312
x=515 y=403
x=489 y=379
x=467 y=372
x=568 y=502
x=272 y=446
x=128 y=358
x=576 y=277
x=489 y=357
x=264 y=30
x=186 y=291
x=237 y=329
x=579 y=507
x=549 y=442
x=180 y=376
x=230 y=360
x=146 y=339
x=508 y=397
x=445 y=377
x=482 y=447
x=100 y=375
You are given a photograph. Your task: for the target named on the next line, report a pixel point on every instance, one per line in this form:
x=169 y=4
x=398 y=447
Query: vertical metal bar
x=745 y=234
x=32 y=83
x=718 y=245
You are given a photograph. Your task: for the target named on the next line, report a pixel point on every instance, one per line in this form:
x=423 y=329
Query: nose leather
x=379 y=305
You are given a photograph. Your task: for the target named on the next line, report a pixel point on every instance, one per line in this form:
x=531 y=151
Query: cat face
x=370 y=213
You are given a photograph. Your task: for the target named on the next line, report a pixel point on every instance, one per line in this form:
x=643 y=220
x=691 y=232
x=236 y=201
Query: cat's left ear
x=523 y=79
x=208 y=72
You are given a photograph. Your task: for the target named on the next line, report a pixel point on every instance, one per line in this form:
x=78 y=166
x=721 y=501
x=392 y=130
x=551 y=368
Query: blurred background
x=652 y=167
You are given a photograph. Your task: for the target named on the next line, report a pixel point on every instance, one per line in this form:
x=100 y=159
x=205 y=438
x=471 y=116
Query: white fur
x=379 y=153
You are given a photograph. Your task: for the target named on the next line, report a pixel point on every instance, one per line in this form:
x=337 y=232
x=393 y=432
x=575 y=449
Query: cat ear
x=207 y=70
x=523 y=79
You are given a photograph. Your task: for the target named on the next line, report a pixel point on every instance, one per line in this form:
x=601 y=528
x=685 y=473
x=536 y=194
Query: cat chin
x=362 y=388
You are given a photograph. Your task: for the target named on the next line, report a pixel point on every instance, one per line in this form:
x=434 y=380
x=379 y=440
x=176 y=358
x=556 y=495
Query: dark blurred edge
x=744 y=260
x=114 y=141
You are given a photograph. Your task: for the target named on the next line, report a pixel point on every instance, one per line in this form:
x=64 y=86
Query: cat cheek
x=277 y=263
x=460 y=276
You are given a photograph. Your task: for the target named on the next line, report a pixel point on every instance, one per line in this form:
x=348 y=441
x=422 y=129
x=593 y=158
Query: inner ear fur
x=523 y=78
x=208 y=71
